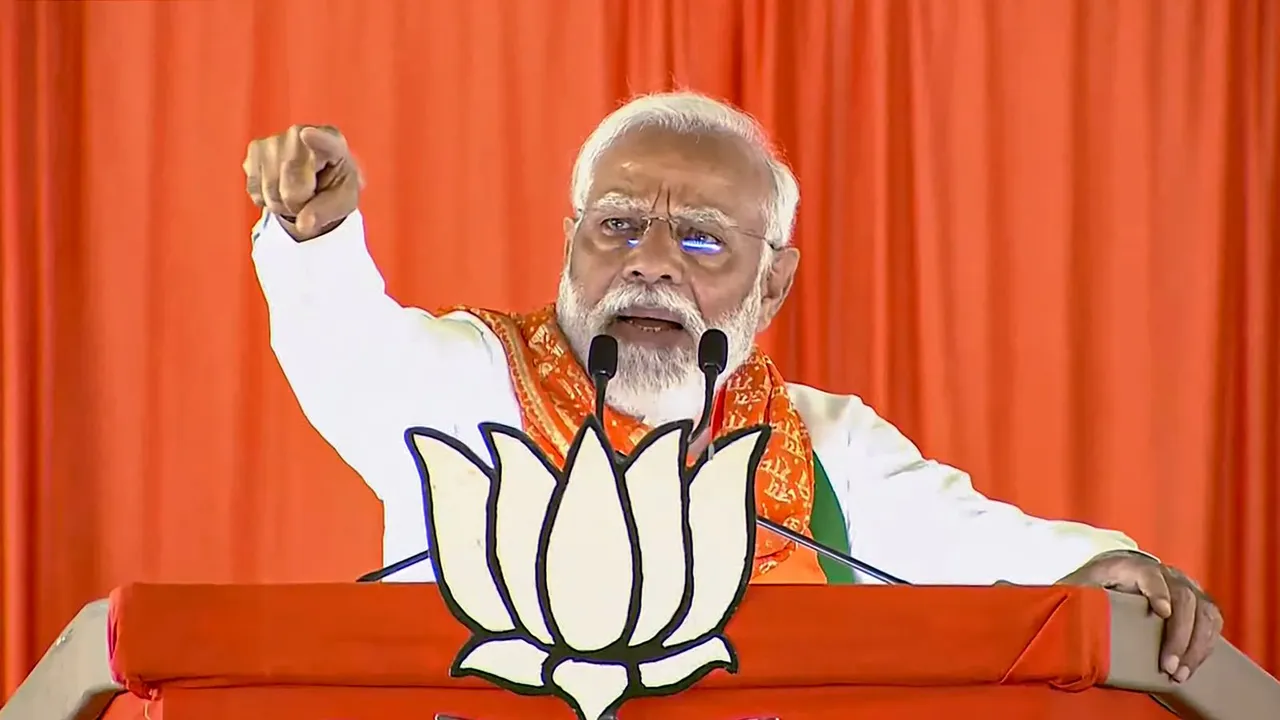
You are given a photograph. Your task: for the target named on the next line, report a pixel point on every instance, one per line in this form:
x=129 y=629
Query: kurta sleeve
x=924 y=521
x=364 y=368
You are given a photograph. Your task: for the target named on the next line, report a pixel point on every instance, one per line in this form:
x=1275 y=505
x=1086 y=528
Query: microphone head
x=602 y=358
x=713 y=351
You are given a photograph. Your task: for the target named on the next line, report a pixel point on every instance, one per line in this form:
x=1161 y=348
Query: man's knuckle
x=1213 y=614
x=294 y=198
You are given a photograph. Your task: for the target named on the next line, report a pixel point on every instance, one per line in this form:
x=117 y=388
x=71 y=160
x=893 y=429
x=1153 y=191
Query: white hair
x=691 y=113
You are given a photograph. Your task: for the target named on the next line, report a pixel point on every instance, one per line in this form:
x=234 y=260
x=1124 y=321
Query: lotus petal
x=457 y=486
x=525 y=485
x=588 y=559
x=592 y=687
x=673 y=670
x=515 y=660
x=653 y=482
x=721 y=506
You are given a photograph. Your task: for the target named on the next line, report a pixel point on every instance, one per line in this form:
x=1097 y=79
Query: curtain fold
x=1041 y=238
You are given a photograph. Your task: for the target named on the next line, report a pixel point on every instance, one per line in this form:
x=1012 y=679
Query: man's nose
x=655 y=256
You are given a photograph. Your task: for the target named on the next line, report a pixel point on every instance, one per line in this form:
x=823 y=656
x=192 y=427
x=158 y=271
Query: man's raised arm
x=363 y=367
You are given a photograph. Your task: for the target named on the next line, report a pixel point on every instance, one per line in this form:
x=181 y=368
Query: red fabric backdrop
x=1040 y=237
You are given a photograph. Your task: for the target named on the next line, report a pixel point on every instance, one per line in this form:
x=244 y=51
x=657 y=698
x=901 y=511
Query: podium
x=382 y=652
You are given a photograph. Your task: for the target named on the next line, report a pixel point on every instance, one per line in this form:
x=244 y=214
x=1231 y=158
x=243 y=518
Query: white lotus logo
x=599 y=582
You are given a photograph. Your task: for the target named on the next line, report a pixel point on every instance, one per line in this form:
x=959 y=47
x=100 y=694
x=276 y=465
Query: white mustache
x=628 y=297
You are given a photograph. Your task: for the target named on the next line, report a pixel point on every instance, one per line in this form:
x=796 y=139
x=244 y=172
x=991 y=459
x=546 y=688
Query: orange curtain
x=1041 y=237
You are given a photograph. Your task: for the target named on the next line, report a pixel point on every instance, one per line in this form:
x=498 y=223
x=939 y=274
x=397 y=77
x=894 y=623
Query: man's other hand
x=1192 y=620
x=305 y=176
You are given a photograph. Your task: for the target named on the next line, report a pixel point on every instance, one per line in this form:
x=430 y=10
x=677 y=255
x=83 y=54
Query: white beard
x=657 y=386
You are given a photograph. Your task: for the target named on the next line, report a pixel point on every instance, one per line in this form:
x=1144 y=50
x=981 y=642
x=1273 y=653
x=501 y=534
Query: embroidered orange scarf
x=555 y=396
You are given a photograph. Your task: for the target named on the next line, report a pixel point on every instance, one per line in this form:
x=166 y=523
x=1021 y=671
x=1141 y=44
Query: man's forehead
x=697 y=170
x=678 y=195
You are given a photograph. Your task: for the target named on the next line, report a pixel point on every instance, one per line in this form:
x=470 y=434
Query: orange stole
x=556 y=396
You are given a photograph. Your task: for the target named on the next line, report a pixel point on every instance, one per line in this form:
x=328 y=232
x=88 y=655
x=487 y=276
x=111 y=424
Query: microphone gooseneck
x=713 y=357
x=602 y=365
x=848 y=561
x=395 y=567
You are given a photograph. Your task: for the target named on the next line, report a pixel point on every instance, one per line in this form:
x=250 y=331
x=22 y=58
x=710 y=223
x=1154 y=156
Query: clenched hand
x=305 y=176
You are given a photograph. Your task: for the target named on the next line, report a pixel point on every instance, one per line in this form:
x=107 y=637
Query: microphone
x=713 y=357
x=602 y=365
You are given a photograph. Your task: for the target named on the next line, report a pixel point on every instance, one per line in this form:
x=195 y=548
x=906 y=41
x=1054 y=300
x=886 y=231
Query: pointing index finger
x=297 y=173
x=325 y=143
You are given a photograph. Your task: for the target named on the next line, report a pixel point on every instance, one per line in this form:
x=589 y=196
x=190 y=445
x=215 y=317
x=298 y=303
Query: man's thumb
x=330 y=205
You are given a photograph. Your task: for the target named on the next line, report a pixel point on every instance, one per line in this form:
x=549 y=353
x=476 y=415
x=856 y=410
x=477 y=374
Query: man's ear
x=777 y=284
x=570 y=225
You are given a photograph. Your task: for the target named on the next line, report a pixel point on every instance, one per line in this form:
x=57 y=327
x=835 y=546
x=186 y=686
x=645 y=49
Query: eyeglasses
x=697 y=233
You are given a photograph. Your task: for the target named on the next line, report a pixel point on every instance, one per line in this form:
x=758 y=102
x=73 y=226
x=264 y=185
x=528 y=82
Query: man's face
x=669 y=244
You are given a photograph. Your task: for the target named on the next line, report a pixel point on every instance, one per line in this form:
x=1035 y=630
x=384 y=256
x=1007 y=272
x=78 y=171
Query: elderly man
x=682 y=221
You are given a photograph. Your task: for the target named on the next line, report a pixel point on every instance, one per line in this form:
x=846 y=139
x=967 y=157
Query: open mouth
x=650 y=320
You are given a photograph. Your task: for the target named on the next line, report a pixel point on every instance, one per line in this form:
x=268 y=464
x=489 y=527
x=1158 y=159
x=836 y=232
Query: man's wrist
x=1090 y=565
x=289 y=223
x=1138 y=554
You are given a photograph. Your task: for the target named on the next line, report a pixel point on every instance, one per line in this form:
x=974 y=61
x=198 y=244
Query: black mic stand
x=602 y=365
x=848 y=561
x=395 y=567
x=713 y=358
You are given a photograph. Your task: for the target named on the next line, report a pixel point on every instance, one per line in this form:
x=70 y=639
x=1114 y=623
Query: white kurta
x=365 y=369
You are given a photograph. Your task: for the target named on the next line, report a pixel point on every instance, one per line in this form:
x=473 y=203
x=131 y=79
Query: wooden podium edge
x=1228 y=686
x=73 y=680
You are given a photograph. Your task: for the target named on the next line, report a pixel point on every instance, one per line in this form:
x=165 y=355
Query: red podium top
x=805 y=652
